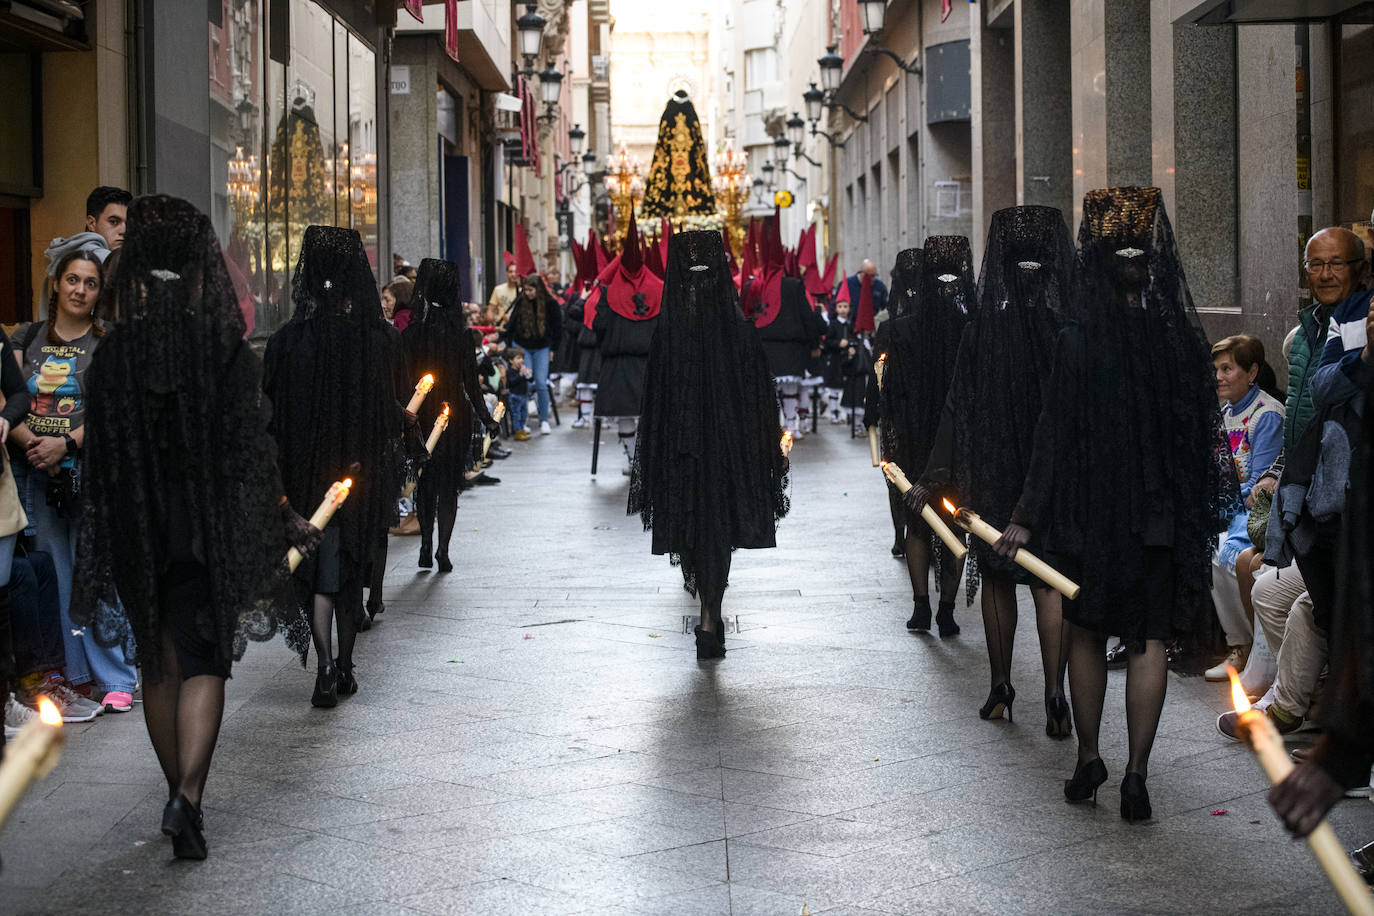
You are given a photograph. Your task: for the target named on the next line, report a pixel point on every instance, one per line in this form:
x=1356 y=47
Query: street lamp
x=767 y=169
x=576 y=138
x=796 y=134
x=832 y=65
x=815 y=101
x=588 y=162
x=529 y=30
x=550 y=85
x=873 y=14
x=781 y=147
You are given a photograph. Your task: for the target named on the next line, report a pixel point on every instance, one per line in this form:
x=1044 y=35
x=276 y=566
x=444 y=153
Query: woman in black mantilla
x=1125 y=485
x=708 y=475
x=186 y=518
x=984 y=442
x=328 y=372
x=921 y=347
x=438 y=342
x=903 y=295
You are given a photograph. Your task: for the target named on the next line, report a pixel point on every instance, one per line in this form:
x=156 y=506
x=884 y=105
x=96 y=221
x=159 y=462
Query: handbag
x=1259 y=517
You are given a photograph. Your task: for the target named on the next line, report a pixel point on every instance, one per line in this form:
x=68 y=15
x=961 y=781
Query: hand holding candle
x=30 y=756
x=1255 y=727
x=786 y=444
x=873 y=446
x=333 y=499
x=970 y=522
x=421 y=389
x=880 y=369
x=937 y=524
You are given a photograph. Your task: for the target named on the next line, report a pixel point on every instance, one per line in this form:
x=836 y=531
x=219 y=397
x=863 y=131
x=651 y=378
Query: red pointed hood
x=597 y=253
x=603 y=279
x=664 y=235
x=524 y=261
x=818 y=284
x=806 y=249
x=632 y=253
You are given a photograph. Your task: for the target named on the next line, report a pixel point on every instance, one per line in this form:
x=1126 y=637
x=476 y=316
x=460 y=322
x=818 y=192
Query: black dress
x=791 y=333
x=708 y=474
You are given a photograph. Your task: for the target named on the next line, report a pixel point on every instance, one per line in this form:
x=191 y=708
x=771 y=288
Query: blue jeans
x=1235 y=540
x=538 y=361
x=104 y=668
x=519 y=410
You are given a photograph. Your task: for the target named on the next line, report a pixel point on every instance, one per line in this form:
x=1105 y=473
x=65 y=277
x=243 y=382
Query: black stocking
x=378 y=575
x=918 y=563
x=322 y=629
x=426 y=502
x=1087 y=687
x=1049 y=623
x=183 y=719
x=999 y=623
x=448 y=514
x=712 y=578
x=1147 y=678
x=350 y=611
x=898 y=510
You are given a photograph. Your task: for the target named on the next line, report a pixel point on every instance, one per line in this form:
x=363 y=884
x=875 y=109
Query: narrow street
x=533 y=734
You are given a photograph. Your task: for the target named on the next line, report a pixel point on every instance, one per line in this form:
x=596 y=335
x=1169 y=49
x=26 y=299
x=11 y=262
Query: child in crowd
x=839 y=338
x=518 y=384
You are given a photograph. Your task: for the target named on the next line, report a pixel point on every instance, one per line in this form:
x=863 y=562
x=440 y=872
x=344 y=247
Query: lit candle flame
x=883 y=356
x=427 y=380
x=1238 y=697
x=48 y=712
x=446 y=408
x=949 y=507
x=348 y=483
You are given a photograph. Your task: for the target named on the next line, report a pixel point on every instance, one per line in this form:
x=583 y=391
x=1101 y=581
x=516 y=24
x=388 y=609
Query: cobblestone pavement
x=534 y=735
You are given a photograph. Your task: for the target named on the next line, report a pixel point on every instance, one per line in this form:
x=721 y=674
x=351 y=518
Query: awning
x=1255 y=12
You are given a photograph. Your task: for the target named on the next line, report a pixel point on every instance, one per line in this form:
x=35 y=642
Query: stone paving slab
x=534 y=735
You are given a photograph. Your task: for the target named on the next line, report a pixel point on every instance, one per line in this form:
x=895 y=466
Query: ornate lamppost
x=732 y=184
x=625 y=184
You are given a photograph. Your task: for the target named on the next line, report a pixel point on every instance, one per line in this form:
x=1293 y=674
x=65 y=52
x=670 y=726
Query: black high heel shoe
x=1087 y=778
x=709 y=645
x=999 y=701
x=1058 y=719
x=445 y=564
x=326 y=693
x=183 y=822
x=347 y=684
x=920 y=614
x=1135 y=798
x=899 y=547
x=944 y=619
x=426 y=555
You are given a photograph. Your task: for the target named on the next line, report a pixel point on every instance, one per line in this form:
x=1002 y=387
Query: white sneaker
x=544 y=429
x=580 y=423
x=1236 y=658
x=17 y=715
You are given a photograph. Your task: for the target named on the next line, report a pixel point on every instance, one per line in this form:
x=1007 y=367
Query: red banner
x=415 y=8
x=451 y=28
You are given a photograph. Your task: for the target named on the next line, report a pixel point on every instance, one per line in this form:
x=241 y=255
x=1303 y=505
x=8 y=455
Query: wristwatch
x=71 y=444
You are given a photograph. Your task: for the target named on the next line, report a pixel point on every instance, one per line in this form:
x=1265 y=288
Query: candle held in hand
x=421 y=389
x=30 y=756
x=440 y=424
x=937 y=524
x=1264 y=740
x=873 y=446
x=333 y=499
x=880 y=370
x=970 y=522
x=786 y=444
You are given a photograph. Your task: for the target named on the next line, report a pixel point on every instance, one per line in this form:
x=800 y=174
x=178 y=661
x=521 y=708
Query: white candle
x=880 y=369
x=873 y=446
x=1264 y=740
x=30 y=756
x=937 y=524
x=786 y=443
x=440 y=424
x=421 y=389
x=333 y=499
x=970 y=522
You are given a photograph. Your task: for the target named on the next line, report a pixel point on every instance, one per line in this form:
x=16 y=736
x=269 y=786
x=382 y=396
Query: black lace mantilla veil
x=329 y=375
x=179 y=462
x=1005 y=358
x=904 y=283
x=708 y=471
x=1129 y=449
x=437 y=341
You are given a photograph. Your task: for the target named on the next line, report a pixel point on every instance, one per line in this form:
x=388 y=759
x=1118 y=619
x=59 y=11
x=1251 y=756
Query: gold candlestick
x=937 y=524
x=970 y=522
x=1264 y=740
x=333 y=499
x=30 y=756
x=421 y=389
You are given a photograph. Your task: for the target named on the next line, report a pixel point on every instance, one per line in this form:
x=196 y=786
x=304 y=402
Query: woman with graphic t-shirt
x=45 y=451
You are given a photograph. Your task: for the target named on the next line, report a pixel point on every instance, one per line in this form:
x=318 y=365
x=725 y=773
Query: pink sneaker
x=118 y=701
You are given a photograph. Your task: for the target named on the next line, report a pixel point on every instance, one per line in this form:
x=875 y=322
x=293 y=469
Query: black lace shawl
x=1005 y=358
x=438 y=342
x=1127 y=448
x=708 y=473
x=904 y=283
x=179 y=464
x=328 y=373
x=921 y=347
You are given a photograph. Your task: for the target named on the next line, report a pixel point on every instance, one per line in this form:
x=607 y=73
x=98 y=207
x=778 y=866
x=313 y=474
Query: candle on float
x=421 y=389
x=1265 y=741
x=928 y=514
x=873 y=446
x=440 y=424
x=31 y=755
x=970 y=522
x=333 y=499
x=786 y=443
